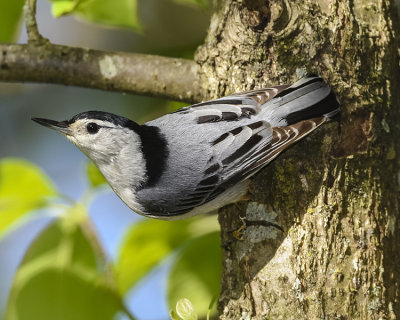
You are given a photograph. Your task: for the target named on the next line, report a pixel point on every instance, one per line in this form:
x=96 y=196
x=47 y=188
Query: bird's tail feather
x=307 y=98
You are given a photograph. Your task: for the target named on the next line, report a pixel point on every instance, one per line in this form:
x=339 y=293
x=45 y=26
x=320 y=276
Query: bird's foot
x=238 y=233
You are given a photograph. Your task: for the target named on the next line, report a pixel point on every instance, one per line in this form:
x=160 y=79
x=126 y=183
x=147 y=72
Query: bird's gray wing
x=233 y=107
x=240 y=153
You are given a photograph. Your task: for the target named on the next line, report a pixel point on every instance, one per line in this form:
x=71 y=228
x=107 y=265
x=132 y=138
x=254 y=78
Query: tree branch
x=42 y=61
x=34 y=35
x=157 y=76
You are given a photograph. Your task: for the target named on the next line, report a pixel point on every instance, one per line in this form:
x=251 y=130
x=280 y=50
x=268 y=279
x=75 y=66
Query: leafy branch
x=42 y=61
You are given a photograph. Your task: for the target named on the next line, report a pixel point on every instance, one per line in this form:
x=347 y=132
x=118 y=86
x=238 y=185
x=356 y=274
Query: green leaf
x=145 y=245
x=60 y=277
x=148 y=242
x=95 y=177
x=23 y=188
x=185 y=310
x=10 y=19
x=61 y=7
x=122 y=13
x=63 y=295
x=196 y=273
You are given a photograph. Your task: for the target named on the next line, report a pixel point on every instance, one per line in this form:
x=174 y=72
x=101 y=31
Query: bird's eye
x=92 y=128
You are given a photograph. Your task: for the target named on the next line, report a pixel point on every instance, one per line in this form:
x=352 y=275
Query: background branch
x=31 y=25
x=42 y=61
x=156 y=76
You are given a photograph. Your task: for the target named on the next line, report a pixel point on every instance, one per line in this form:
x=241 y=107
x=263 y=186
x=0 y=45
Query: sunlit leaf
x=63 y=295
x=122 y=13
x=145 y=245
x=95 y=177
x=63 y=7
x=23 y=187
x=10 y=19
x=112 y=12
x=195 y=274
x=148 y=242
x=185 y=310
x=61 y=277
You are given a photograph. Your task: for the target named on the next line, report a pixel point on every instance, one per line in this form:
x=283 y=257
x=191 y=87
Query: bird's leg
x=238 y=233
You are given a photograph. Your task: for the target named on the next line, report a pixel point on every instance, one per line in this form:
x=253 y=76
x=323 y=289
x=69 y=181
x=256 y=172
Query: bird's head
x=113 y=143
x=128 y=154
x=100 y=135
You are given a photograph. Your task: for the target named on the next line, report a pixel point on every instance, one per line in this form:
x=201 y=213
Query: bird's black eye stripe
x=92 y=128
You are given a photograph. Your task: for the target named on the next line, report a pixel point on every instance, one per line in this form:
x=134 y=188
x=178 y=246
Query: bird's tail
x=308 y=98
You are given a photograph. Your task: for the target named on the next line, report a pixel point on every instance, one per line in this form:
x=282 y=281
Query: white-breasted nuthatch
x=200 y=157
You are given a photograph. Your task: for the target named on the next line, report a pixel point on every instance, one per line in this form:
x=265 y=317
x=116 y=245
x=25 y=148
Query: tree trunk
x=332 y=251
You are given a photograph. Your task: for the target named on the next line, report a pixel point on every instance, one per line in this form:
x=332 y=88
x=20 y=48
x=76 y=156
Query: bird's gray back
x=190 y=150
x=217 y=144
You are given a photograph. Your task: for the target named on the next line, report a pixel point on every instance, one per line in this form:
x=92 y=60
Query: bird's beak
x=60 y=126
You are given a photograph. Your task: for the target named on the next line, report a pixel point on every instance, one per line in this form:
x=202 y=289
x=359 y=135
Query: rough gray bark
x=336 y=194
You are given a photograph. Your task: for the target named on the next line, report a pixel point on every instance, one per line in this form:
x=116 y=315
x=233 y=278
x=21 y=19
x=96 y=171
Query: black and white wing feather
x=224 y=166
x=244 y=150
x=240 y=153
x=233 y=107
x=272 y=120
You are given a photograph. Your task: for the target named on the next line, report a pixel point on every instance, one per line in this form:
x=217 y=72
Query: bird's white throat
x=119 y=158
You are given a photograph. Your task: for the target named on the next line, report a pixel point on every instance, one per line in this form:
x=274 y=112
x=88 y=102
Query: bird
x=200 y=157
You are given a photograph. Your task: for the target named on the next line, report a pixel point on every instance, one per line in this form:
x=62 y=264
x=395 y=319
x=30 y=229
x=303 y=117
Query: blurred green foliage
x=10 y=19
x=121 y=13
x=65 y=273
x=141 y=248
x=196 y=271
x=115 y=13
x=23 y=188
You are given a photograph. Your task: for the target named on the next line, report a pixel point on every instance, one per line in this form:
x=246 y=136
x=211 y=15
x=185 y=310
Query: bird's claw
x=238 y=233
